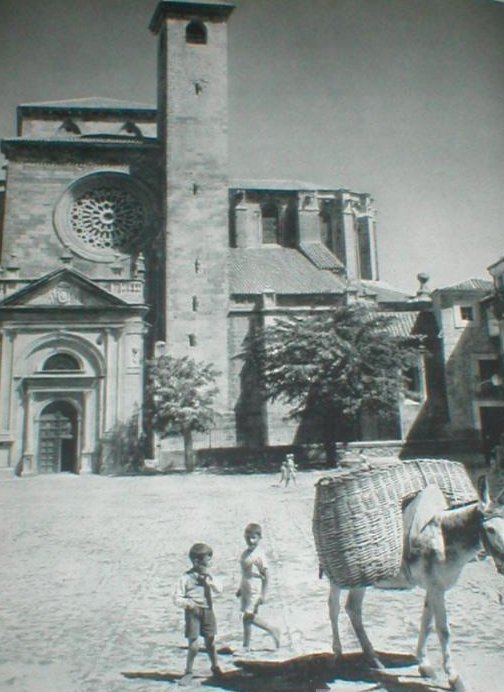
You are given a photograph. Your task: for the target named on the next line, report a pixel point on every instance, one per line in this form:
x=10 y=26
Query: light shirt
x=189 y=593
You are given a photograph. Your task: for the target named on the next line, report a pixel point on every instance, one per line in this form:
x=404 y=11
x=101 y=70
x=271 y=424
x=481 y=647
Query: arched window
x=269 y=219
x=61 y=361
x=196 y=33
x=68 y=126
x=129 y=128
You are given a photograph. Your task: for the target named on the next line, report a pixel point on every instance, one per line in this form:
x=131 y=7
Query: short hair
x=253 y=528
x=199 y=550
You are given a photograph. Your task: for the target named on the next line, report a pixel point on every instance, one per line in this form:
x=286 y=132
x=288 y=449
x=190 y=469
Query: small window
x=196 y=33
x=467 y=313
x=61 y=361
x=192 y=339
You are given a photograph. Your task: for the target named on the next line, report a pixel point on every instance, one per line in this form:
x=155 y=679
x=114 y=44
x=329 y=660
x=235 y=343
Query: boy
x=290 y=469
x=194 y=593
x=254 y=586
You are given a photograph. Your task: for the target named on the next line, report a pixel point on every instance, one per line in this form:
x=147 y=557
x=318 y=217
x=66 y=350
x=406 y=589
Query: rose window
x=107 y=217
x=103 y=214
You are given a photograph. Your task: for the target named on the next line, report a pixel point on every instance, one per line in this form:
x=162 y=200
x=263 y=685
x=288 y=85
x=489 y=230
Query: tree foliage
x=336 y=364
x=182 y=392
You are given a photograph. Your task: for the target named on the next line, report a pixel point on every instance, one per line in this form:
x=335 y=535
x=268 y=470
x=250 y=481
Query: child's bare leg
x=247 y=629
x=192 y=651
x=212 y=653
x=263 y=625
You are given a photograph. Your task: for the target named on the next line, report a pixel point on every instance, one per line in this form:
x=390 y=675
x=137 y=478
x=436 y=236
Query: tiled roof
x=91 y=103
x=320 y=256
x=283 y=270
x=473 y=284
x=414 y=323
x=385 y=293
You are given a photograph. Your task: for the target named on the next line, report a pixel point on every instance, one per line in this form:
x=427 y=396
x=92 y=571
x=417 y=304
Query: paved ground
x=88 y=565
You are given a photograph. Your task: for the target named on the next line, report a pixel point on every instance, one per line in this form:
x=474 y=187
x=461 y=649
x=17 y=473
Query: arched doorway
x=58 y=438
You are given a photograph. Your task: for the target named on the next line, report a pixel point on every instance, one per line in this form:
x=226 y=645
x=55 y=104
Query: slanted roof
x=282 y=270
x=473 y=284
x=384 y=292
x=321 y=256
x=413 y=323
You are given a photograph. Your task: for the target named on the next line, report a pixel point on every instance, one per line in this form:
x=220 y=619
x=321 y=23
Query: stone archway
x=58 y=438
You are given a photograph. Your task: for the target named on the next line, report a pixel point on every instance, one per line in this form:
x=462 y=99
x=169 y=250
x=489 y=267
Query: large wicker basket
x=357 y=522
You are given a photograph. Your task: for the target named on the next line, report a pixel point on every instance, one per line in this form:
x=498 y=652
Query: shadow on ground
x=309 y=673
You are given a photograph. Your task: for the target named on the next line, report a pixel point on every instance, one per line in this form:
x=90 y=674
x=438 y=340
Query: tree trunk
x=189 y=456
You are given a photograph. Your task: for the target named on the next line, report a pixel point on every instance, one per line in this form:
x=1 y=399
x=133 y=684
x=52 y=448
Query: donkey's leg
x=334 y=609
x=443 y=631
x=354 y=609
x=424 y=667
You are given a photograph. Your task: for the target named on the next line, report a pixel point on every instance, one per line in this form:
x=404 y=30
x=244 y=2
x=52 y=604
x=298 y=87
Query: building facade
x=123 y=236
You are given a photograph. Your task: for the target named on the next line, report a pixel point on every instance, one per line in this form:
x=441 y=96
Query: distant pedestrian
x=290 y=469
x=283 y=472
x=194 y=593
x=254 y=586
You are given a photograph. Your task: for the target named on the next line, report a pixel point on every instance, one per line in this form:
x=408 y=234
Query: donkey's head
x=492 y=525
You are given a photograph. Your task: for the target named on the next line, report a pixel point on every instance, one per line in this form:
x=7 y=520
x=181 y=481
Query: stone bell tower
x=193 y=131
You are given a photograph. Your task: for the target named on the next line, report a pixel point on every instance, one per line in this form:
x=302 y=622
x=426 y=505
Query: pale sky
x=403 y=99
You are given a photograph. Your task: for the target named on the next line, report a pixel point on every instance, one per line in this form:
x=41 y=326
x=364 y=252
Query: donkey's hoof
x=427 y=671
x=374 y=663
x=457 y=684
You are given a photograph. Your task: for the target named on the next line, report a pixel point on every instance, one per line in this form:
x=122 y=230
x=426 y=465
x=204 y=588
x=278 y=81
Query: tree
x=333 y=366
x=182 y=393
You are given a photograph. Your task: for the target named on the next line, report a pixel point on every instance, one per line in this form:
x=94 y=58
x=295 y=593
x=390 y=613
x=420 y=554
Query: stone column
x=351 y=257
x=86 y=427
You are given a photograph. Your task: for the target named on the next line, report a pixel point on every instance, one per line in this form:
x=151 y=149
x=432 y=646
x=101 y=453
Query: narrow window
x=269 y=218
x=195 y=303
x=196 y=33
x=192 y=339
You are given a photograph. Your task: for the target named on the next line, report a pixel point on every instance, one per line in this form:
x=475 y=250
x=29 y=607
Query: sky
x=403 y=99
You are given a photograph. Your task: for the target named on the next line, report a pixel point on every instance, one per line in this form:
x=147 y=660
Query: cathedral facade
x=123 y=237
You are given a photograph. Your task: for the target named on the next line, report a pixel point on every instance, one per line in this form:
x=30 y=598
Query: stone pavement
x=88 y=566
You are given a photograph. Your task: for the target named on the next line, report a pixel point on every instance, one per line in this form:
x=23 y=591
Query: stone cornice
x=180 y=8
x=18 y=144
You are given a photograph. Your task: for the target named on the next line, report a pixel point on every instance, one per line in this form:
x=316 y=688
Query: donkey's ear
x=483 y=491
x=499 y=500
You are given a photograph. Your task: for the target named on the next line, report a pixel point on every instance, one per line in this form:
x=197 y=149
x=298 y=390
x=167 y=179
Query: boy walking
x=194 y=593
x=254 y=586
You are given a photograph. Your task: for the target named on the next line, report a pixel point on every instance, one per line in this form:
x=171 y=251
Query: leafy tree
x=333 y=366
x=125 y=449
x=182 y=392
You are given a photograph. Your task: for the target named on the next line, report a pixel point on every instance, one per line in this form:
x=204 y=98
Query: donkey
x=438 y=542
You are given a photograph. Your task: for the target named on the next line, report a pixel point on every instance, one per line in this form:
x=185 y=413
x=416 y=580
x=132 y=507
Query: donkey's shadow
x=309 y=673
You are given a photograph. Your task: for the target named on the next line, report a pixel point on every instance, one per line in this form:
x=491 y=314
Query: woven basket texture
x=357 y=521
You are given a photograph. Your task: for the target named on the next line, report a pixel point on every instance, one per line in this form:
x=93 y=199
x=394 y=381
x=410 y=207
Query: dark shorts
x=200 y=621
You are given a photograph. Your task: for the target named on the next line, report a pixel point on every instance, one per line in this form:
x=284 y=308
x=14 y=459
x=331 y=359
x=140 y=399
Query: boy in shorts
x=194 y=593
x=254 y=586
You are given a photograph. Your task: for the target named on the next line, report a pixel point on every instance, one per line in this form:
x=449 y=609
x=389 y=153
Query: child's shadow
x=309 y=673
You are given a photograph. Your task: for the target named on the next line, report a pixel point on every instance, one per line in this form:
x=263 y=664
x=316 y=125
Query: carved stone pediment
x=62 y=289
